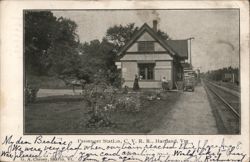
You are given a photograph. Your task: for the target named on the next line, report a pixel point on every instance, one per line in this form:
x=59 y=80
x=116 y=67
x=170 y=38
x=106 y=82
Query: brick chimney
x=155 y=25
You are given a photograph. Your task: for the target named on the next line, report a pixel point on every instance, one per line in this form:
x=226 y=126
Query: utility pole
x=190 y=39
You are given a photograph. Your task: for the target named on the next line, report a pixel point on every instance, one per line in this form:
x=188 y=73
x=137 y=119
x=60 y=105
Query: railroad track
x=225 y=107
x=226 y=89
x=228 y=85
x=230 y=100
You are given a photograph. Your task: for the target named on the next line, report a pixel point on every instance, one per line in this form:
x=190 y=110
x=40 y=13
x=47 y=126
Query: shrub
x=128 y=103
x=30 y=93
x=104 y=100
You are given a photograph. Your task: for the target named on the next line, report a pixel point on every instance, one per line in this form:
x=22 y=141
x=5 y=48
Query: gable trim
x=142 y=30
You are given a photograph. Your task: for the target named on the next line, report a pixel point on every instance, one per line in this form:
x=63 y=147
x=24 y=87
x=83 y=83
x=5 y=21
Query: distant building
x=152 y=58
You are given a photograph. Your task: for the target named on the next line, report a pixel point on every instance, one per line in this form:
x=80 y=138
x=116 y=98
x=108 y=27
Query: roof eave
x=152 y=33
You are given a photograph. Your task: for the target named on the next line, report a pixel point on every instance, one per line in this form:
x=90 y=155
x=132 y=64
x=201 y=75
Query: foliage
x=97 y=55
x=219 y=74
x=100 y=105
x=38 y=37
x=163 y=35
x=120 y=35
x=104 y=104
x=63 y=59
x=103 y=99
x=127 y=103
x=52 y=48
x=50 y=44
x=47 y=82
x=30 y=93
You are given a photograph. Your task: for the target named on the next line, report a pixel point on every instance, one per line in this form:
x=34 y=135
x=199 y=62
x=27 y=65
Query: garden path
x=57 y=92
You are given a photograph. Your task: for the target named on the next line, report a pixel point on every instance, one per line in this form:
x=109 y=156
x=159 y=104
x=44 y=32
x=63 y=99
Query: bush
x=31 y=88
x=30 y=93
x=103 y=100
x=127 y=103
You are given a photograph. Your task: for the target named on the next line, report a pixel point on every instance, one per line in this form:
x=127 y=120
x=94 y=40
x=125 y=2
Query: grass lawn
x=69 y=114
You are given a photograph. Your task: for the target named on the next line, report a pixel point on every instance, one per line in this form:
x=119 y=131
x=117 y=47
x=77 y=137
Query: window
x=146 y=71
x=146 y=46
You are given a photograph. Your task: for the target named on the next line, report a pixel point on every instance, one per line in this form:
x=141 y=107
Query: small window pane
x=150 y=73
x=142 y=73
x=146 y=71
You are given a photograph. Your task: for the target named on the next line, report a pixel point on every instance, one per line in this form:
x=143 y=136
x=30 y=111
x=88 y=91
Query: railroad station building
x=152 y=58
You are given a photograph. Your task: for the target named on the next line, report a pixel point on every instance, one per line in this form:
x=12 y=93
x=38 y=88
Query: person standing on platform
x=164 y=83
x=136 y=83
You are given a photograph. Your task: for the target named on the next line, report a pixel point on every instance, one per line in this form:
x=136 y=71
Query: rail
x=223 y=100
x=233 y=92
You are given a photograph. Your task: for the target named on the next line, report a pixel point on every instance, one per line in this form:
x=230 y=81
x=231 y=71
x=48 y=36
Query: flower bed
x=104 y=100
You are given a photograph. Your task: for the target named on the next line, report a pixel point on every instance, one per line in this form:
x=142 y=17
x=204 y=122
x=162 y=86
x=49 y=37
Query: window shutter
x=145 y=46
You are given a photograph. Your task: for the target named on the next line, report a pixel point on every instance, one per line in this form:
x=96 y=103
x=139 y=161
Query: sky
x=216 y=32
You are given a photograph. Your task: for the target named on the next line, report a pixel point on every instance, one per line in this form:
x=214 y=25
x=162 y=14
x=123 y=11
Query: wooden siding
x=146 y=37
x=129 y=57
x=133 y=48
x=158 y=47
x=129 y=69
x=144 y=84
x=161 y=69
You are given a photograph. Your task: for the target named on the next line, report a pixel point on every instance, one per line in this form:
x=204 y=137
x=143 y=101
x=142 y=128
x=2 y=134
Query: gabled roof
x=174 y=47
x=144 y=28
x=179 y=46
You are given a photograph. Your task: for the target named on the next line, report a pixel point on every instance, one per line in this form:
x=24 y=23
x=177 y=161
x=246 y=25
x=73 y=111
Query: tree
x=38 y=38
x=101 y=55
x=163 y=35
x=120 y=35
x=63 y=54
x=97 y=56
x=51 y=44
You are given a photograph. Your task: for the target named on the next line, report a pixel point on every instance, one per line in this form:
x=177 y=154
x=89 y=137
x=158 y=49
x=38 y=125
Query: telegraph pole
x=190 y=39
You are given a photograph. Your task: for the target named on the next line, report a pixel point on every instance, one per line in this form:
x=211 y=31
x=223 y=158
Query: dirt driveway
x=191 y=114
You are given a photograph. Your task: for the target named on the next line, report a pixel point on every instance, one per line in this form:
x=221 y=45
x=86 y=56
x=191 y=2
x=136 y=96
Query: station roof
x=179 y=46
x=175 y=47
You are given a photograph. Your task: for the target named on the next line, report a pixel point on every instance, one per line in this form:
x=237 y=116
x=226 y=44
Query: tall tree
x=97 y=55
x=50 y=44
x=63 y=54
x=38 y=38
x=120 y=35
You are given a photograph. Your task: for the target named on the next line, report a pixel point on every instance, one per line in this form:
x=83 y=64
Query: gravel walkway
x=191 y=114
